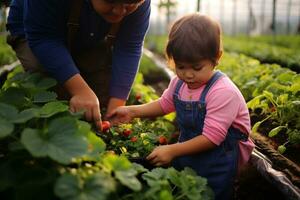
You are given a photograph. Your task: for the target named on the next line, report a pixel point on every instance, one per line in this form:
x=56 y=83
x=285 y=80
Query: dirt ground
x=250 y=185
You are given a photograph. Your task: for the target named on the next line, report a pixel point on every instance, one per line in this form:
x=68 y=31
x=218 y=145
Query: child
x=212 y=114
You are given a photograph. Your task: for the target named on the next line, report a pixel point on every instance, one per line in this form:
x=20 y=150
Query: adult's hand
x=83 y=98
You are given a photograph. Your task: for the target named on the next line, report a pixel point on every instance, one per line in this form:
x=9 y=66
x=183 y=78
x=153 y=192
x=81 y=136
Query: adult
x=91 y=47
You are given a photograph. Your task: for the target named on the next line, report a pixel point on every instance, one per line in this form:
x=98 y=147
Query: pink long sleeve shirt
x=225 y=106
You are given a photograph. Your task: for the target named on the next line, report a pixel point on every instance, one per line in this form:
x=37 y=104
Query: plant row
x=288 y=41
x=266 y=53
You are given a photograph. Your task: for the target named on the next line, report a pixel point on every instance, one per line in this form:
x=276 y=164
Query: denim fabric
x=218 y=165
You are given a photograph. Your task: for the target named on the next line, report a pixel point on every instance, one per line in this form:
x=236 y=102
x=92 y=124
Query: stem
x=180 y=196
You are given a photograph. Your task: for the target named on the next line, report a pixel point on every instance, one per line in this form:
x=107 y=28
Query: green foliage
x=145 y=133
x=186 y=184
x=264 y=52
x=7 y=55
x=48 y=153
x=94 y=187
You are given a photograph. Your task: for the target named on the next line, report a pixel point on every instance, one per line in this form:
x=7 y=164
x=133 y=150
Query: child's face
x=194 y=74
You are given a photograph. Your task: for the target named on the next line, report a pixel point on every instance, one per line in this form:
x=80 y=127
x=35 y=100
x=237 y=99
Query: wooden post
x=198 y=5
x=288 y=17
x=298 y=28
x=234 y=10
x=273 y=24
x=262 y=16
x=221 y=12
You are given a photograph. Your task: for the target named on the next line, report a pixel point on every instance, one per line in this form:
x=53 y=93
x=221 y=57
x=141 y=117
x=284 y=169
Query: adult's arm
x=127 y=50
x=45 y=29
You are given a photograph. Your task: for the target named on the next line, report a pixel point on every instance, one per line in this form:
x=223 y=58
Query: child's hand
x=161 y=155
x=119 y=115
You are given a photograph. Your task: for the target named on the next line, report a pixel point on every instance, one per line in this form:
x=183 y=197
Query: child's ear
x=219 y=56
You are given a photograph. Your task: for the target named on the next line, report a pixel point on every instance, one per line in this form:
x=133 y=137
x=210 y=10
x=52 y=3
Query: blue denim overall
x=218 y=165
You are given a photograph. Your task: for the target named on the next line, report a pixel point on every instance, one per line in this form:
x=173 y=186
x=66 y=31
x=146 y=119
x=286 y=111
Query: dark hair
x=193 y=38
x=124 y=1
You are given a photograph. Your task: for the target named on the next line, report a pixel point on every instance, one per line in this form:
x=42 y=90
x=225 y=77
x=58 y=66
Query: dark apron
x=95 y=68
x=95 y=63
x=218 y=165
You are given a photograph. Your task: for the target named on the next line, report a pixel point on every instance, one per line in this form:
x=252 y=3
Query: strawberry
x=138 y=96
x=133 y=139
x=175 y=135
x=162 y=140
x=127 y=132
x=105 y=126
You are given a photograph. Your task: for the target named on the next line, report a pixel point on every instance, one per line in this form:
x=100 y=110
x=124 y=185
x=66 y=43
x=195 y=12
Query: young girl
x=212 y=114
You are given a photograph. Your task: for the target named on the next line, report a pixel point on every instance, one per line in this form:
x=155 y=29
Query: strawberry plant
x=47 y=152
x=139 y=138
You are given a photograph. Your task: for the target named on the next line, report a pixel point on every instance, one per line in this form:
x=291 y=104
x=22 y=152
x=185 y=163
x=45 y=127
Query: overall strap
x=111 y=35
x=73 y=22
x=74 y=25
x=209 y=84
x=176 y=92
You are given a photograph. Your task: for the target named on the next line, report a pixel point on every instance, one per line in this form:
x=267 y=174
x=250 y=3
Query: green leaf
x=8 y=112
x=165 y=195
x=26 y=115
x=53 y=108
x=95 y=187
x=155 y=175
x=13 y=96
x=254 y=102
x=6 y=128
x=95 y=146
x=116 y=163
x=44 y=96
x=61 y=142
x=295 y=87
x=128 y=178
x=281 y=149
x=46 y=83
x=275 y=131
x=255 y=127
x=294 y=136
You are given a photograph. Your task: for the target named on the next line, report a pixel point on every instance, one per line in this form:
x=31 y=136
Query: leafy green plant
x=139 y=138
x=47 y=152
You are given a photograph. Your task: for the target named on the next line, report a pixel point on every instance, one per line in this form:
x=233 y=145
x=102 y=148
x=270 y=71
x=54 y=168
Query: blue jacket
x=44 y=24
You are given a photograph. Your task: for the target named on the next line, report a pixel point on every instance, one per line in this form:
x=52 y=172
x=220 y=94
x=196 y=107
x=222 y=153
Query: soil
x=251 y=185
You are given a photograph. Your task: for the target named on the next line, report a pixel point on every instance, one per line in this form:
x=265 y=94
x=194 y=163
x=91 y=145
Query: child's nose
x=189 y=74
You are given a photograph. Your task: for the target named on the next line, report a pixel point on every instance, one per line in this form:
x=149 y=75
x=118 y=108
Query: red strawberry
x=138 y=96
x=162 y=140
x=273 y=109
x=127 y=132
x=175 y=135
x=105 y=126
x=133 y=139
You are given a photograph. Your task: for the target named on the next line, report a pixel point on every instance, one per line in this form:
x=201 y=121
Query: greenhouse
x=149 y=99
